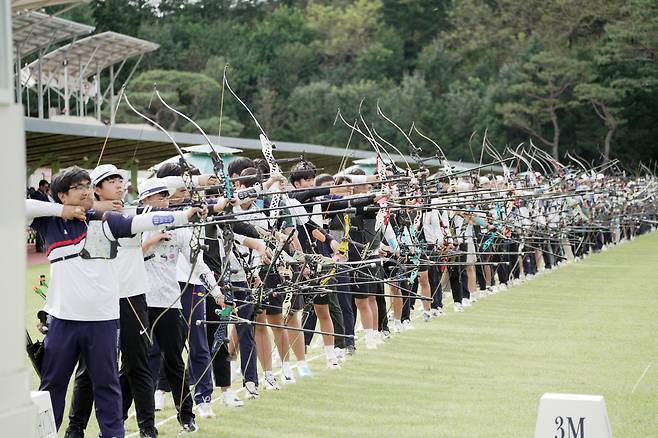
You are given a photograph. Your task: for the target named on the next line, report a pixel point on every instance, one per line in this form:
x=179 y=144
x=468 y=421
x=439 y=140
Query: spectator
x=41 y=194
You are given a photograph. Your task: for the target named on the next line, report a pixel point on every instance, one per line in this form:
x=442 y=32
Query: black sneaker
x=74 y=432
x=148 y=432
x=188 y=427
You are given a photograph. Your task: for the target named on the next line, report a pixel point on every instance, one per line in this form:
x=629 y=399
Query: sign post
x=572 y=416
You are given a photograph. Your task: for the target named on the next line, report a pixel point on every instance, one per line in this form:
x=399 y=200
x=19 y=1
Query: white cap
x=152 y=186
x=463 y=186
x=106 y=170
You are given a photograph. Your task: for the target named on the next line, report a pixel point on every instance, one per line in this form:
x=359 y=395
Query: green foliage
x=540 y=93
x=570 y=74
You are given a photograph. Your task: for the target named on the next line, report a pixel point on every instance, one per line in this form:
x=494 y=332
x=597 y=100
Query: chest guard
x=97 y=245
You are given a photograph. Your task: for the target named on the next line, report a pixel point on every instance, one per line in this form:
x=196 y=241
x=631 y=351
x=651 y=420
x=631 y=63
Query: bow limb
x=218 y=163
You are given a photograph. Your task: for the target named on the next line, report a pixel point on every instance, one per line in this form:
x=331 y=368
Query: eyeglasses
x=81 y=187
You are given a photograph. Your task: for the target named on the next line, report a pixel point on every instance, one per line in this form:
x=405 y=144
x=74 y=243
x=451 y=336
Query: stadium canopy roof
x=34 y=31
x=72 y=142
x=31 y=5
x=89 y=55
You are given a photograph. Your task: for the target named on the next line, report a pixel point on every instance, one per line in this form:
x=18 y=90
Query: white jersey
x=129 y=264
x=160 y=261
x=87 y=289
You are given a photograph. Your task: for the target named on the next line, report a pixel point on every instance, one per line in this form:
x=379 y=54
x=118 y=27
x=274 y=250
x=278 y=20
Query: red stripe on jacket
x=65 y=243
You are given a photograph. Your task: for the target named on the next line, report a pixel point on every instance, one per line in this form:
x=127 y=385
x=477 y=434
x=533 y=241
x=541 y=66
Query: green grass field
x=587 y=328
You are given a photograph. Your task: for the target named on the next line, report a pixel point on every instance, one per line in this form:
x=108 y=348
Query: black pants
x=169 y=335
x=336 y=314
x=135 y=374
x=434 y=275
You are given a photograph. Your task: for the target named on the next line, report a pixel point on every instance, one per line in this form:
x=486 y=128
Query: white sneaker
x=371 y=341
x=426 y=315
x=159 y=398
x=474 y=297
x=205 y=410
x=466 y=302
x=251 y=391
x=304 y=371
x=436 y=313
x=269 y=382
x=457 y=307
x=384 y=335
x=231 y=400
x=397 y=326
x=340 y=354
x=406 y=325
x=333 y=364
x=287 y=376
x=502 y=287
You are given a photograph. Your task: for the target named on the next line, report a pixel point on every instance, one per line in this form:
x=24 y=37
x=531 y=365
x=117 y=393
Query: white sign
x=45 y=427
x=572 y=416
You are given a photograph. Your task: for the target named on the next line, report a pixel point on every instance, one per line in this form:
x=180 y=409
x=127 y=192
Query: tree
x=540 y=93
x=193 y=94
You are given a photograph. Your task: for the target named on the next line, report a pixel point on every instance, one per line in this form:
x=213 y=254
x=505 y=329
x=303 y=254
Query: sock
x=285 y=369
x=329 y=352
x=301 y=364
x=268 y=374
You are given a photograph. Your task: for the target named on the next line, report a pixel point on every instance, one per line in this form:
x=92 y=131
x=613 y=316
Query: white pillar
x=17 y=413
x=99 y=95
x=40 y=86
x=66 y=87
x=112 y=95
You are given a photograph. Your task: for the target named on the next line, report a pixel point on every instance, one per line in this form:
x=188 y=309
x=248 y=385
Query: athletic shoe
x=269 y=382
x=188 y=427
x=287 y=377
x=251 y=390
x=436 y=312
x=406 y=325
x=148 y=432
x=502 y=287
x=466 y=302
x=371 y=343
x=474 y=297
x=457 y=307
x=426 y=316
x=304 y=371
x=351 y=350
x=385 y=335
x=340 y=354
x=390 y=315
x=332 y=364
x=205 y=410
x=159 y=398
x=74 y=432
x=397 y=327
x=230 y=400
x=378 y=337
